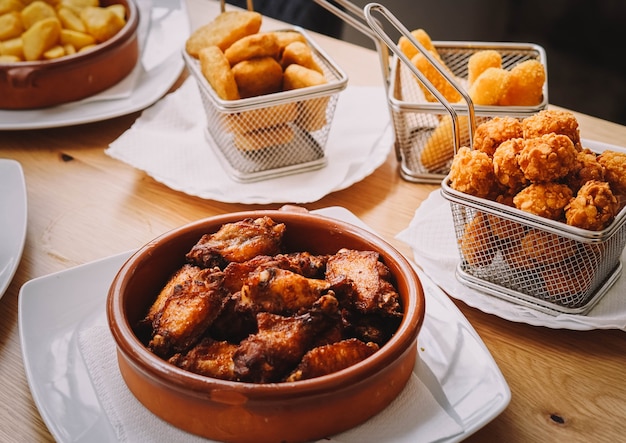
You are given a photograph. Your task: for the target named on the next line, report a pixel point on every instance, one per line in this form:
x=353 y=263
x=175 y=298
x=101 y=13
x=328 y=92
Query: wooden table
x=83 y=205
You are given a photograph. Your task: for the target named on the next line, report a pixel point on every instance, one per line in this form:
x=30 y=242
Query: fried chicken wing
x=330 y=358
x=238 y=242
x=368 y=280
x=547 y=158
x=472 y=173
x=593 y=208
x=552 y=120
x=188 y=311
x=544 y=199
x=490 y=134
x=506 y=167
x=615 y=166
x=209 y=357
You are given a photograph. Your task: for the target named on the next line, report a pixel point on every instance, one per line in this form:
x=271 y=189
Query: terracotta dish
x=39 y=84
x=274 y=412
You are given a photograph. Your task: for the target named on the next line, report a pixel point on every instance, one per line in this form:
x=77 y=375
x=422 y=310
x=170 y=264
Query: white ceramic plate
x=459 y=370
x=13 y=218
x=150 y=85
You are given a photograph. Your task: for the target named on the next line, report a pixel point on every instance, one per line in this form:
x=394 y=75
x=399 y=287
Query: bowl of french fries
x=58 y=52
x=266 y=326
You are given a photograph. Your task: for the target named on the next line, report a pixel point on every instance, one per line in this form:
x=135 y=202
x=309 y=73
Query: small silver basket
x=533 y=261
x=276 y=134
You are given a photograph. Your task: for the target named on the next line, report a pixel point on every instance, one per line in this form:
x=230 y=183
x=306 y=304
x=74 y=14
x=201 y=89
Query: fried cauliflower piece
x=547 y=158
x=615 y=170
x=506 y=167
x=552 y=120
x=544 y=199
x=593 y=208
x=472 y=172
x=490 y=134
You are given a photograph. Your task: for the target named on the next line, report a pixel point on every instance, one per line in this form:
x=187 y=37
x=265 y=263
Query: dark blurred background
x=584 y=40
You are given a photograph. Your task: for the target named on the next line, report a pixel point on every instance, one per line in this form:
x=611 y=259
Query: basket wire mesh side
x=533 y=261
x=275 y=134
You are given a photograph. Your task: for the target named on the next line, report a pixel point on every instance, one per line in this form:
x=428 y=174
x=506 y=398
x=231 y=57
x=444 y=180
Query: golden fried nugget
x=544 y=199
x=264 y=117
x=516 y=257
x=587 y=168
x=264 y=137
x=264 y=44
x=489 y=87
x=490 y=134
x=216 y=70
x=547 y=248
x=593 y=208
x=312 y=112
x=223 y=31
x=471 y=172
x=480 y=61
x=258 y=76
x=525 y=87
x=565 y=281
x=300 y=54
x=477 y=244
x=422 y=37
x=547 y=158
x=506 y=167
x=615 y=170
x=297 y=76
x=439 y=147
x=552 y=120
x=438 y=81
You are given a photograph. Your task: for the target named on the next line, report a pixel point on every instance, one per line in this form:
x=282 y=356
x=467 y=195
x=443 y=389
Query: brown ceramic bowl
x=247 y=412
x=39 y=84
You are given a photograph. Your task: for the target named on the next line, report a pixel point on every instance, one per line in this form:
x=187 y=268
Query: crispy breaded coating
x=262 y=44
x=472 y=172
x=593 y=208
x=216 y=70
x=564 y=282
x=544 y=199
x=489 y=87
x=615 y=170
x=547 y=248
x=490 y=134
x=587 y=168
x=547 y=158
x=477 y=243
x=552 y=120
x=480 y=61
x=422 y=37
x=210 y=357
x=506 y=167
x=525 y=87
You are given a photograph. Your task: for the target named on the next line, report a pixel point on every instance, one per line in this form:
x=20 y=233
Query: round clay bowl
x=40 y=84
x=247 y=412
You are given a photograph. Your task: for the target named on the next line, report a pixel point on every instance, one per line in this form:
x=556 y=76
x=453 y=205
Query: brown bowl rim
x=192 y=384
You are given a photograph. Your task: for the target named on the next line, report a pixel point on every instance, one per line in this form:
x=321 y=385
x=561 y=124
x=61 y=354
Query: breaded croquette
x=480 y=61
x=525 y=86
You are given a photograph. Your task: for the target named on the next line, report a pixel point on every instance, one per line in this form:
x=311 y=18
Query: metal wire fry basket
x=275 y=134
x=533 y=261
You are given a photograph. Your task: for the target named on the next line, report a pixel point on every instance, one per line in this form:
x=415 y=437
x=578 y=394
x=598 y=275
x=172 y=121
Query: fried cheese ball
x=471 y=172
x=525 y=87
x=544 y=199
x=552 y=120
x=587 y=168
x=506 y=167
x=593 y=208
x=480 y=61
x=490 y=134
x=477 y=245
x=547 y=248
x=547 y=158
x=615 y=170
x=490 y=86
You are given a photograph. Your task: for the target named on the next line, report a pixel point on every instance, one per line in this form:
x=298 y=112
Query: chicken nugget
x=264 y=44
x=480 y=61
x=300 y=54
x=567 y=283
x=312 y=112
x=544 y=199
x=587 y=168
x=615 y=170
x=438 y=81
x=547 y=158
x=552 y=120
x=547 y=248
x=439 y=147
x=525 y=86
x=216 y=70
x=297 y=76
x=593 y=208
x=477 y=244
x=506 y=167
x=490 y=134
x=471 y=172
x=258 y=76
x=264 y=137
x=489 y=87
x=264 y=117
x=223 y=31
x=422 y=37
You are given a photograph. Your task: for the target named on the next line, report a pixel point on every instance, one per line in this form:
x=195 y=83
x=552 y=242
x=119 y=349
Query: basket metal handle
x=375 y=25
x=249 y=5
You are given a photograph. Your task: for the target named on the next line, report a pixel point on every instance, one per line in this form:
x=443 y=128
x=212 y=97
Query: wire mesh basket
x=427 y=133
x=534 y=261
x=275 y=134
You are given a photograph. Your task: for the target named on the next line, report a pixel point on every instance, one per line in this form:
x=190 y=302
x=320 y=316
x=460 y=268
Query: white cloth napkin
x=415 y=415
x=169 y=144
x=431 y=236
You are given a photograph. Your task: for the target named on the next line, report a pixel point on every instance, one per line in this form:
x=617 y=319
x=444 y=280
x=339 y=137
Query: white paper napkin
x=431 y=237
x=415 y=415
x=169 y=144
